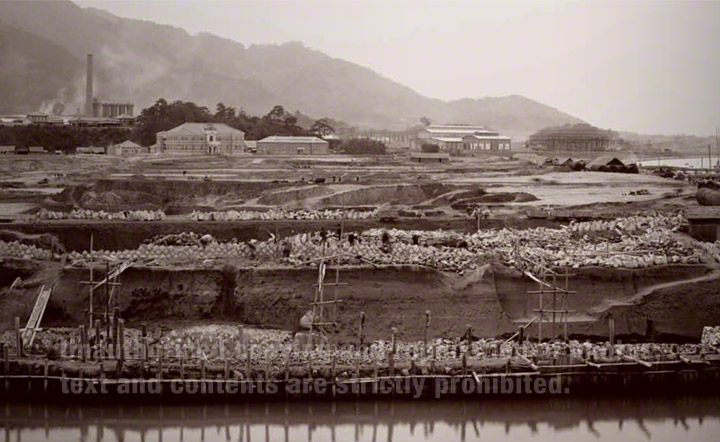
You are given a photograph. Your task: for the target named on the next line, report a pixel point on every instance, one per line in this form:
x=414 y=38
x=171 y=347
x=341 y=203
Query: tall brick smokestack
x=89 y=86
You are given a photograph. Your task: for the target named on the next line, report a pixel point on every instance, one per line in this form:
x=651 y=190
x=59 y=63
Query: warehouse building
x=277 y=145
x=462 y=139
x=127 y=148
x=201 y=139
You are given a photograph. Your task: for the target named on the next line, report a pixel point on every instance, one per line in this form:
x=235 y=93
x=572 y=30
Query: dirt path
x=642 y=293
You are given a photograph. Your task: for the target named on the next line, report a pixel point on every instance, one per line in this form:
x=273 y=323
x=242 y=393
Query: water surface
x=657 y=419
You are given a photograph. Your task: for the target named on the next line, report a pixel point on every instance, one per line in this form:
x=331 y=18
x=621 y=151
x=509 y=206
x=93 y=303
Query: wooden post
x=360 y=329
x=116 y=330
x=391 y=361
x=521 y=335
x=160 y=362
x=247 y=363
x=332 y=374
x=18 y=338
x=427 y=326
x=468 y=338
x=227 y=369
x=6 y=359
x=98 y=342
x=310 y=365
x=611 y=324
x=464 y=364
x=434 y=358
x=121 y=339
x=182 y=366
x=394 y=333
x=90 y=309
x=45 y=375
x=202 y=369
x=82 y=343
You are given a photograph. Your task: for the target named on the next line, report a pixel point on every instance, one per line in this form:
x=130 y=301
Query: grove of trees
x=62 y=138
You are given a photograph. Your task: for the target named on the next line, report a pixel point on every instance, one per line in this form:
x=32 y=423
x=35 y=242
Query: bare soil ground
x=492 y=301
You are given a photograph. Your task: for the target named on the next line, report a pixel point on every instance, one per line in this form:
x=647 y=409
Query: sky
x=648 y=67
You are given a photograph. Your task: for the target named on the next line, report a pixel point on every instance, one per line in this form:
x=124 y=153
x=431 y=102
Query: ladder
x=36 y=316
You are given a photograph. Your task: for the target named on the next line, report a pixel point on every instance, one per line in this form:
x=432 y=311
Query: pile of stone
x=711 y=336
x=280 y=214
x=16 y=249
x=127 y=215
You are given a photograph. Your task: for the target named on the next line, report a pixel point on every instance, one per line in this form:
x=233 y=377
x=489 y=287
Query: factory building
x=201 y=139
x=572 y=138
x=462 y=139
x=277 y=145
x=107 y=109
x=102 y=109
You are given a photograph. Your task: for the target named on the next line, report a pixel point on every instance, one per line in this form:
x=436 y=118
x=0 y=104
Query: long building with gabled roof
x=201 y=139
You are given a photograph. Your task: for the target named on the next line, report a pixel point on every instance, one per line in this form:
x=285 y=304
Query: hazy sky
x=651 y=67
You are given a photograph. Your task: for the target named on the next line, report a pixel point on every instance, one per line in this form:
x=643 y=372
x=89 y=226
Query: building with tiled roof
x=277 y=145
x=201 y=139
x=462 y=139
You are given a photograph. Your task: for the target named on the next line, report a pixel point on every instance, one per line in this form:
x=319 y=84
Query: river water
x=690 y=162
x=657 y=419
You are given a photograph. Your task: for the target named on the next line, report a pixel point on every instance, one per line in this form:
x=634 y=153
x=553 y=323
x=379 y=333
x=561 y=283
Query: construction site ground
x=673 y=301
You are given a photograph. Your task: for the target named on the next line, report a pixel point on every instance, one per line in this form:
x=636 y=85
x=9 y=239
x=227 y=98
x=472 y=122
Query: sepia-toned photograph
x=359 y=220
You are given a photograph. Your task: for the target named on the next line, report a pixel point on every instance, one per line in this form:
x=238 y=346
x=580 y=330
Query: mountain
x=137 y=60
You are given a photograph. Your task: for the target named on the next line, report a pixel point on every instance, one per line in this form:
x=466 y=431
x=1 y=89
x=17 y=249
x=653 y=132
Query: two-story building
x=201 y=139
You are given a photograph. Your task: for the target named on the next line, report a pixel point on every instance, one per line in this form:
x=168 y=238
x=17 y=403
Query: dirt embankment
x=391 y=297
x=402 y=194
x=492 y=299
x=138 y=193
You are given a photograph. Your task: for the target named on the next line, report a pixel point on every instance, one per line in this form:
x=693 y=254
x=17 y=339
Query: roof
x=456 y=128
x=481 y=136
x=7 y=148
x=448 y=139
x=128 y=143
x=202 y=128
x=278 y=139
x=250 y=143
x=125 y=115
x=605 y=161
x=37 y=149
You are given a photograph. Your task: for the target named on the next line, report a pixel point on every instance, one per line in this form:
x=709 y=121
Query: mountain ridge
x=140 y=60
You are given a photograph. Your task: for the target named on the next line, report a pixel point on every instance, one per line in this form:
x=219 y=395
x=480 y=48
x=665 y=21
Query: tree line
x=163 y=116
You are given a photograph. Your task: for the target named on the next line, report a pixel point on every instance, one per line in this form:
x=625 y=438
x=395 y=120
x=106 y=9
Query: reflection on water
x=657 y=419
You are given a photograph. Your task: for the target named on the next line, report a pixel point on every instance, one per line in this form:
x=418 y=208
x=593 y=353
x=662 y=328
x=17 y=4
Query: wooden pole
x=90 y=324
x=121 y=339
x=394 y=343
x=611 y=325
x=360 y=329
x=82 y=343
x=468 y=338
x=116 y=330
x=427 y=327
x=18 y=338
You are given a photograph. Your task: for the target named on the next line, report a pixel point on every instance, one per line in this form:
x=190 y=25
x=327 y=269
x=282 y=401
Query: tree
x=363 y=146
x=224 y=113
x=163 y=116
x=322 y=128
x=276 y=114
x=425 y=121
